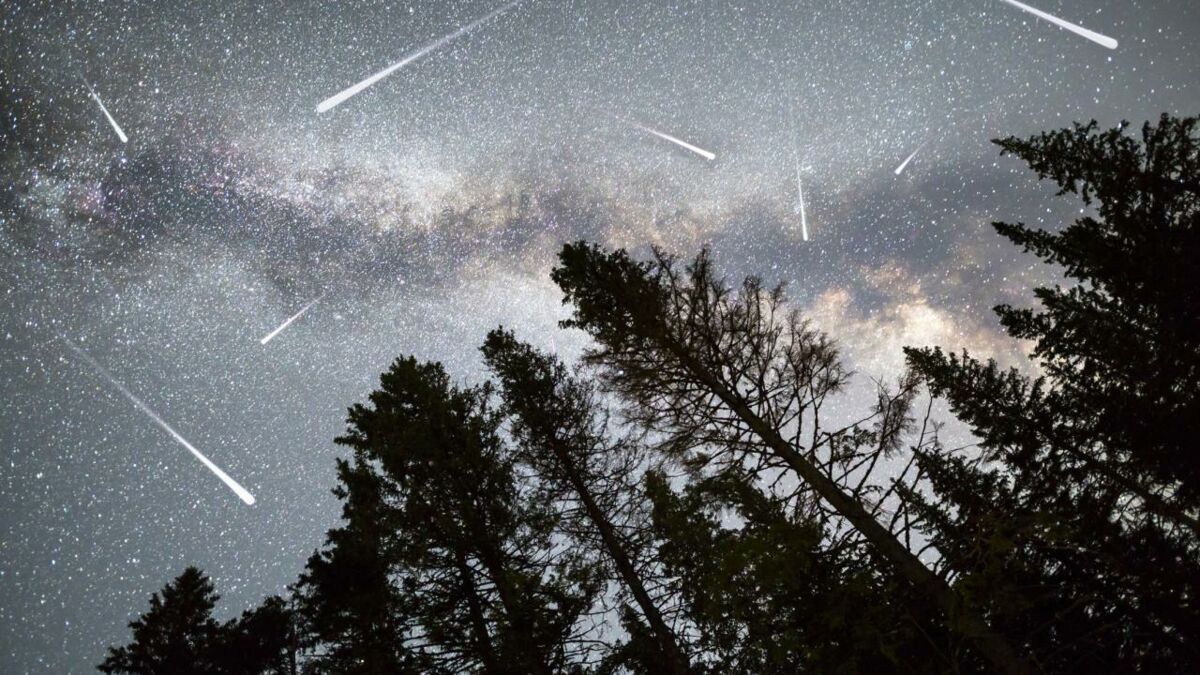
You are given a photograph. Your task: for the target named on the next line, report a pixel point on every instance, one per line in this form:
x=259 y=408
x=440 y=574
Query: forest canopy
x=678 y=501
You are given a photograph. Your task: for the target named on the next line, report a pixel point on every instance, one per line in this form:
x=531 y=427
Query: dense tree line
x=679 y=502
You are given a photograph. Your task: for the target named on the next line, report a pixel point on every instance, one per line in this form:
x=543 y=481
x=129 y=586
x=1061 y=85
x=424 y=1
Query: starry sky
x=428 y=208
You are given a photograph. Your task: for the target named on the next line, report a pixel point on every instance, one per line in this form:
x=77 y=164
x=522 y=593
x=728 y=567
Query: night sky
x=428 y=208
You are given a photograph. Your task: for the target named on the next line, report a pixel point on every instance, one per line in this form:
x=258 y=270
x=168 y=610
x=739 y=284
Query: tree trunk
x=961 y=618
x=478 y=624
x=676 y=661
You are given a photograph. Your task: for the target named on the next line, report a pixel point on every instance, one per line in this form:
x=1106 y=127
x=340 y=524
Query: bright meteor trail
x=1102 y=40
x=240 y=491
x=683 y=144
x=287 y=323
x=799 y=183
x=803 y=218
x=666 y=137
x=116 y=127
x=900 y=169
x=340 y=97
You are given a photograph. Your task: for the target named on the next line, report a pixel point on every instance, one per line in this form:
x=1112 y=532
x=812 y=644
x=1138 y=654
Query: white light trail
x=287 y=323
x=1102 y=40
x=900 y=169
x=683 y=144
x=803 y=217
x=799 y=183
x=232 y=484
x=340 y=97
x=116 y=127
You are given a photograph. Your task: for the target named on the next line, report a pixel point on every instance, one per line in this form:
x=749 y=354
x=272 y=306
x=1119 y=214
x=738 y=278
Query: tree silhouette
x=565 y=439
x=1081 y=533
x=176 y=636
x=459 y=565
x=179 y=635
x=703 y=363
x=356 y=616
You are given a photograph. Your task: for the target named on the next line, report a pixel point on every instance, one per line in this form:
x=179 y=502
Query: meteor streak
x=116 y=127
x=287 y=323
x=683 y=144
x=799 y=183
x=340 y=97
x=232 y=484
x=900 y=169
x=803 y=218
x=1102 y=40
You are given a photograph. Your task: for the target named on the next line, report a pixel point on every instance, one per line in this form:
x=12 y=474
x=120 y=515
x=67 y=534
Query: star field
x=427 y=209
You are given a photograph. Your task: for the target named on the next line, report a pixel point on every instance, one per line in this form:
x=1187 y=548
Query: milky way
x=427 y=209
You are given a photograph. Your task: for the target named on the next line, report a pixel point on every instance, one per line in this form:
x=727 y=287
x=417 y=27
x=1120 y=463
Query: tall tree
x=700 y=361
x=472 y=554
x=357 y=616
x=1082 y=533
x=563 y=433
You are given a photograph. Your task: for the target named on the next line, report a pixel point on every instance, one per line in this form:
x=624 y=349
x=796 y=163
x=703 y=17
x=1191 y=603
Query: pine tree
x=357 y=617
x=1077 y=527
x=179 y=635
x=565 y=438
x=176 y=636
x=705 y=364
x=458 y=543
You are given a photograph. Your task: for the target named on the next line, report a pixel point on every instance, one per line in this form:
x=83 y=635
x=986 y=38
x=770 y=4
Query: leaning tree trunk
x=675 y=660
x=960 y=617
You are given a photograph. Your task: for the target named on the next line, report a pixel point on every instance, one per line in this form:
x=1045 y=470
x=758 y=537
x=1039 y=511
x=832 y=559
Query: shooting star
x=900 y=169
x=232 y=484
x=292 y=318
x=116 y=127
x=683 y=144
x=1102 y=40
x=799 y=183
x=803 y=217
x=340 y=97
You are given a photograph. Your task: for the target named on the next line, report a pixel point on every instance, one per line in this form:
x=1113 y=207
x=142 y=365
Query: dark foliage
x=680 y=504
x=178 y=635
x=446 y=563
x=1079 y=532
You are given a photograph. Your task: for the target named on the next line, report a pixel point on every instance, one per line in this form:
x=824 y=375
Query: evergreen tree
x=357 y=618
x=565 y=438
x=702 y=364
x=1080 y=531
x=458 y=544
x=177 y=636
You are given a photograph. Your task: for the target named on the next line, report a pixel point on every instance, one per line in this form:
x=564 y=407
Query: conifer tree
x=703 y=363
x=459 y=545
x=562 y=431
x=1080 y=532
x=357 y=617
x=176 y=636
